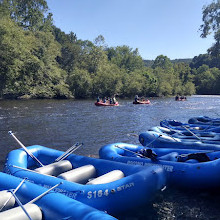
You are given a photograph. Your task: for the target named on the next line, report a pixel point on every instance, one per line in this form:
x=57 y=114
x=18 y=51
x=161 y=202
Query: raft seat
x=87 y=175
x=4 y=196
x=169 y=157
x=107 y=178
x=80 y=175
x=55 y=169
x=17 y=213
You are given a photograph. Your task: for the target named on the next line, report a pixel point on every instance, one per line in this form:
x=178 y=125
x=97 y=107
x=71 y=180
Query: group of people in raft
x=113 y=100
x=180 y=98
x=137 y=99
x=109 y=100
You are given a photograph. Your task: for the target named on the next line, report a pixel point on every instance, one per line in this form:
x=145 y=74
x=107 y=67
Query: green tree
x=29 y=14
x=80 y=83
x=211 y=15
x=125 y=58
x=136 y=83
x=167 y=80
x=211 y=24
x=107 y=81
x=28 y=63
x=214 y=51
x=204 y=80
x=198 y=61
x=162 y=62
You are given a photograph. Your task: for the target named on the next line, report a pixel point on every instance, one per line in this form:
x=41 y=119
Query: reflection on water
x=61 y=123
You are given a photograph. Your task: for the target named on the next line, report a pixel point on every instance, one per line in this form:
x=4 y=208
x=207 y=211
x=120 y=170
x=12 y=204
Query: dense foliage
x=38 y=60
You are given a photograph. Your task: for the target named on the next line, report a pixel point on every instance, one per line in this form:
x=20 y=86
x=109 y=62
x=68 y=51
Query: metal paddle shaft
x=68 y=152
x=178 y=132
x=192 y=133
x=212 y=124
x=130 y=151
x=33 y=171
x=20 y=204
x=43 y=194
x=61 y=156
x=172 y=137
x=25 y=149
x=153 y=140
x=17 y=188
x=72 y=151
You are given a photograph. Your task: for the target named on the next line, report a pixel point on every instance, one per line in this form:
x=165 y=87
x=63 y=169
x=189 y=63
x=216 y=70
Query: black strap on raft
x=148 y=153
x=201 y=157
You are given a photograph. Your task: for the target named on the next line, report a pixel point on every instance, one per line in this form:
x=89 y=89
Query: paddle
x=43 y=194
x=216 y=126
x=25 y=149
x=192 y=133
x=68 y=152
x=178 y=132
x=33 y=171
x=33 y=200
x=172 y=137
x=153 y=140
x=140 y=155
x=20 y=204
x=17 y=188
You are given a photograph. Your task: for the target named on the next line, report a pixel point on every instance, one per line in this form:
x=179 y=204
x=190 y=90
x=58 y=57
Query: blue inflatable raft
x=205 y=137
x=51 y=206
x=158 y=140
x=176 y=125
x=182 y=166
x=204 y=120
x=102 y=184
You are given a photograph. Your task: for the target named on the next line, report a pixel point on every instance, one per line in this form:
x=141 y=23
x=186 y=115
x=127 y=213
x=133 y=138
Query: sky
x=155 y=27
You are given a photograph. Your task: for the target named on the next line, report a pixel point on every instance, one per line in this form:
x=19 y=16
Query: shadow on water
x=179 y=204
x=61 y=123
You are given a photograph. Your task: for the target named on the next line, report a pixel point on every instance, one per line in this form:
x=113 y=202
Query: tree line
x=39 y=60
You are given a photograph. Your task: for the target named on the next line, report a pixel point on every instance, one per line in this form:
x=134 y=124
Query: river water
x=61 y=123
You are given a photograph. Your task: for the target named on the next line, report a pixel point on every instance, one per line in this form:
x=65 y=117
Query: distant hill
x=187 y=60
x=149 y=63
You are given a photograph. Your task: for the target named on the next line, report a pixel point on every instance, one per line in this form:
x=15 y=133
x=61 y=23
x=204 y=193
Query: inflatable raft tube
x=176 y=125
x=52 y=206
x=106 y=104
x=204 y=120
x=142 y=102
x=137 y=185
x=158 y=140
x=182 y=166
x=206 y=137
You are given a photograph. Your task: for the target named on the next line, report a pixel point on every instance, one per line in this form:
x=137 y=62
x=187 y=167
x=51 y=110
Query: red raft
x=180 y=99
x=142 y=102
x=106 y=104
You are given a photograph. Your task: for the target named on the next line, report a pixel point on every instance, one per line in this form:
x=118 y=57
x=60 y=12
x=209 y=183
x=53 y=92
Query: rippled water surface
x=61 y=123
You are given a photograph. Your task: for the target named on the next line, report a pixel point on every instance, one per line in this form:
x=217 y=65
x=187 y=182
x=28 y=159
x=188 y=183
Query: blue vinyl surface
x=188 y=174
x=138 y=186
x=54 y=206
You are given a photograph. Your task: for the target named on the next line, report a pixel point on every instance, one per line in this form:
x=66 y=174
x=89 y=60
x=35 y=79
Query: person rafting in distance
x=98 y=99
x=114 y=100
x=177 y=97
x=104 y=100
x=136 y=98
